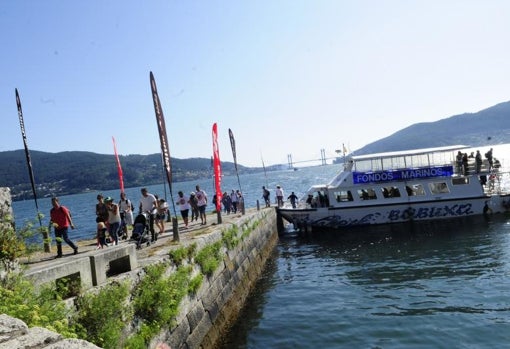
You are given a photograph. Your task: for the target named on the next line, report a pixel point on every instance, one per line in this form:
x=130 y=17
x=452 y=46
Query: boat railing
x=498 y=182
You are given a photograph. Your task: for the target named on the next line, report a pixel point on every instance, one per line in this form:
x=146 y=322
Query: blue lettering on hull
x=393 y=216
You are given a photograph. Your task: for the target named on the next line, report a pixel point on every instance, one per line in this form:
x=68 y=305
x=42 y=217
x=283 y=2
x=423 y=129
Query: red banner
x=217 y=167
x=119 y=168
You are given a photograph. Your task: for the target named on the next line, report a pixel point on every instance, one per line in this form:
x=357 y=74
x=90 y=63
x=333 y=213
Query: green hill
x=76 y=172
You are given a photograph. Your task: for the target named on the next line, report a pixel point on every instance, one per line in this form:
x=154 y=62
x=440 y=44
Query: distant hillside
x=488 y=126
x=76 y=172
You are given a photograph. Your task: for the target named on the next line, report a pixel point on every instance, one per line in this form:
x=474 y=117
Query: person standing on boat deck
x=279 y=196
x=459 y=162
x=293 y=199
x=202 y=204
x=488 y=155
x=265 y=195
x=148 y=204
x=478 y=161
x=61 y=220
x=465 y=163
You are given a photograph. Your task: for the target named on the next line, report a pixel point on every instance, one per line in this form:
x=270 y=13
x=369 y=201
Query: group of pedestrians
x=196 y=202
x=279 y=197
x=233 y=202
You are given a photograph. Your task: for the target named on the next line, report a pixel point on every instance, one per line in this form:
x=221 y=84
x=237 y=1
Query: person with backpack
x=61 y=220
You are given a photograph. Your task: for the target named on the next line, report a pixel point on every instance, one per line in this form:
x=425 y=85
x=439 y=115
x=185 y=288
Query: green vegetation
x=229 y=237
x=209 y=258
x=102 y=316
x=43 y=308
x=157 y=299
x=180 y=254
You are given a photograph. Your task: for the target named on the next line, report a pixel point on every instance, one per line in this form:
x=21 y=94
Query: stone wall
x=204 y=318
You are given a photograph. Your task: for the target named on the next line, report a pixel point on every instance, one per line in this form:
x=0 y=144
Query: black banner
x=27 y=153
x=165 y=148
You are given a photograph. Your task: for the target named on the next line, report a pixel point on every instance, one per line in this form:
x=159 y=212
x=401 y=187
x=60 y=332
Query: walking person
x=148 y=205
x=293 y=199
x=234 y=199
x=101 y=213
x=184 y=206
x=61 y=220
x=193 y=203
x=279 y=195
x=202 y=204
x=265 y=195
x=227 y=202
x=113 y=220
x=162 y=211
x=126 y=214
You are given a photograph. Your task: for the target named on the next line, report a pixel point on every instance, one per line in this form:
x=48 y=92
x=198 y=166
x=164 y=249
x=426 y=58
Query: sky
x=288 y=77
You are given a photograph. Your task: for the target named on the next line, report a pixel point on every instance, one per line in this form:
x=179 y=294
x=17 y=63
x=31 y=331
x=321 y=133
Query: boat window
x=439 y=188
x=390 y=192
x=460 y=180
x=367 y=194
x=343 y=195
x=415 y=190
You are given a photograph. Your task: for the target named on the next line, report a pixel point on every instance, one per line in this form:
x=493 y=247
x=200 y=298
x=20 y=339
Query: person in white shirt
x=184 y=206
x=202 y=203
x=148 y=205
x=279 y=195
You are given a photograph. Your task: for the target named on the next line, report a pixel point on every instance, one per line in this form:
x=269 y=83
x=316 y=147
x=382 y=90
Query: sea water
x=432 y=285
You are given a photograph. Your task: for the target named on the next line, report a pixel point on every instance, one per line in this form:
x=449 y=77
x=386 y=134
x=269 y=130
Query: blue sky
x=288 y=77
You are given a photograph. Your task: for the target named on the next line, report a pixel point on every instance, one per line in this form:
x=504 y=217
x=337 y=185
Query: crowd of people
x=115 y=218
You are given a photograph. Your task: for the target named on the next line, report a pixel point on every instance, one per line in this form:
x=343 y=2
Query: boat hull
x=353 y=216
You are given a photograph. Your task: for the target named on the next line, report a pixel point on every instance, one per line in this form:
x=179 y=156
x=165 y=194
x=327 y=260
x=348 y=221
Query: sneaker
x=75 y=251
x=58 y=256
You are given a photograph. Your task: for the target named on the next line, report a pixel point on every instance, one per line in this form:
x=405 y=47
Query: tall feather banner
x=165 y=148
x=217 y=167
x=30 y=170
x=119 y=168
x=233 y=145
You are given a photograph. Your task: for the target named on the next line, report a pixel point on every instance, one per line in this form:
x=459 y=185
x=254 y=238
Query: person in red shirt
x=61 y=220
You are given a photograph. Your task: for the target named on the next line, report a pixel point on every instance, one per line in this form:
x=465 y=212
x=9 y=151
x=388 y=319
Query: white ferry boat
x=396 y=187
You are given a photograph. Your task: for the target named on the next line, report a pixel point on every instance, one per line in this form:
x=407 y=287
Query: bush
x=103 y=315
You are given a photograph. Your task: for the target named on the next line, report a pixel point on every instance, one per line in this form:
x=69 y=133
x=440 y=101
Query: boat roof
x=409 y=152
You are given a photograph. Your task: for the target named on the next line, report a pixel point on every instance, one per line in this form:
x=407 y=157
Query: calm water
x=431 y=286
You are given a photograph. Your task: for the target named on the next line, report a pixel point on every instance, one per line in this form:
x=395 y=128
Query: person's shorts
x=160 y=217
x=184 y=213
x=201 y=209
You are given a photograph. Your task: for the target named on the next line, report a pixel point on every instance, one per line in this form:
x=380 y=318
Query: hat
x=192 y=193
x=108 y=199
